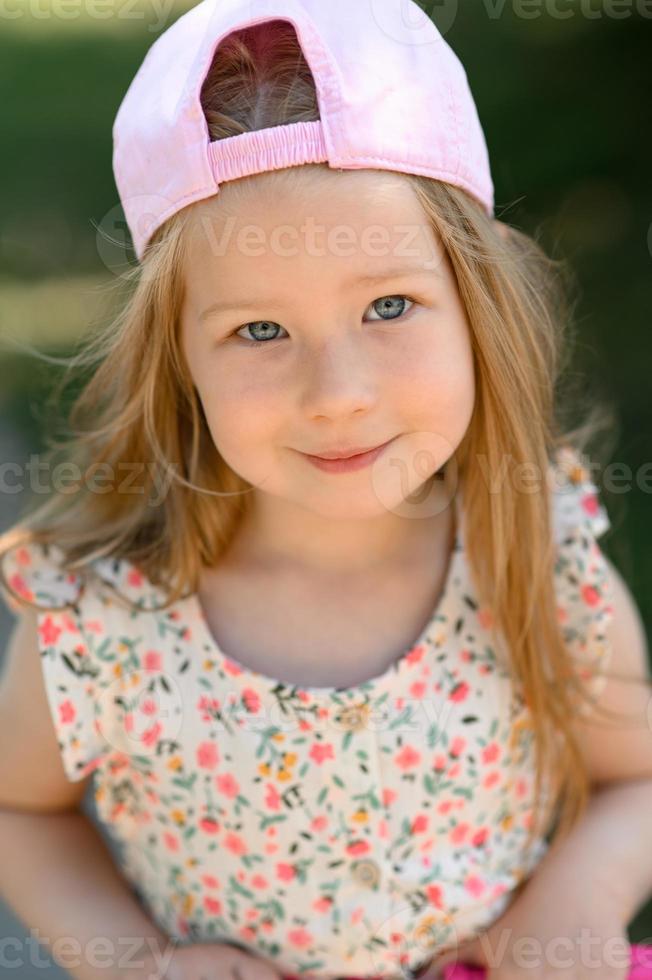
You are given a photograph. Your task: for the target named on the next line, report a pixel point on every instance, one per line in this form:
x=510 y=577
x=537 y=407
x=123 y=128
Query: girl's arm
x=613 y=844
x=56 y=872
x=58 y=876
x=598 y=876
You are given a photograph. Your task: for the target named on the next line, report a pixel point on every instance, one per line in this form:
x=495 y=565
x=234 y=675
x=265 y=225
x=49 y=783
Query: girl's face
x=321 y=314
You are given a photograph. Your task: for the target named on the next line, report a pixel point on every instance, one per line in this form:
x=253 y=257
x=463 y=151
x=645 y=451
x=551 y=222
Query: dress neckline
x=373 y=684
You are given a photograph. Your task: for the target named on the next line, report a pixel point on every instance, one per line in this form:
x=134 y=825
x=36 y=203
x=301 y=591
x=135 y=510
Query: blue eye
x=382 y=305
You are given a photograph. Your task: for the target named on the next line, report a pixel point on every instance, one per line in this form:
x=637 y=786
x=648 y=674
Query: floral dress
x=338 y=832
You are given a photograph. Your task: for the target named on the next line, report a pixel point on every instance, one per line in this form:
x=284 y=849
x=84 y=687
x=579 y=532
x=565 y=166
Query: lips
x=346 y=453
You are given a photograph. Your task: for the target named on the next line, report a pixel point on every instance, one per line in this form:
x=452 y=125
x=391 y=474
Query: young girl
x=325 y=616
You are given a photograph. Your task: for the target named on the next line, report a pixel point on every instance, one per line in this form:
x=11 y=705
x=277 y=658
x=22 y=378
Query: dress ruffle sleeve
x=584 y=586
x=70 y=634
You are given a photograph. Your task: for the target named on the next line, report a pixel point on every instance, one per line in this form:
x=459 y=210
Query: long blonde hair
x=140 y=407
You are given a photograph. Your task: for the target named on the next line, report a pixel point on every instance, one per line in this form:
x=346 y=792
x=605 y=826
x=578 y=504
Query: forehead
x=310 y=216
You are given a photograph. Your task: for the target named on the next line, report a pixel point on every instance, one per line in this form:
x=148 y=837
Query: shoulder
x=584 y=588
x=576 y=505
x=36 y=574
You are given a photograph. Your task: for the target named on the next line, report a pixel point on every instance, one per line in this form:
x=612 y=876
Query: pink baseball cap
x=392 y=96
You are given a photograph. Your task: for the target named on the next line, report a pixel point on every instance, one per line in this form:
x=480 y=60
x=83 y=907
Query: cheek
x=239 y=412
x=439 y=374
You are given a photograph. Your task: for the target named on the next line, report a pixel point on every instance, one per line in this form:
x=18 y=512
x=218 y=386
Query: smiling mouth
x=347 y=453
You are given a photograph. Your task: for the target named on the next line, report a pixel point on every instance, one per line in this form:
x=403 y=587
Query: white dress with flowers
x=339 y=832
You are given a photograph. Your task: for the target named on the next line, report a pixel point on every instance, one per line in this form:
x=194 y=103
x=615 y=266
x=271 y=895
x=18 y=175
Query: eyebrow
x=366 y=280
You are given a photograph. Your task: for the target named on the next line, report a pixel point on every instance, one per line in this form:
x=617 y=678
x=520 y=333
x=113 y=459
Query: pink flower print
x=304 y=725
x=234 y=843
x=247 y=934
x=228 y=785
x=48 y=631
x=212 y=905
x=207 y=755
x=490 y=752
x=151 y=660
x=383 y=830
x=485 y=616
x=419 y=824
x=434 y=895
x=285 y=872
x=357 y=914
x=259 y=881
x=491 y=779
x=129 y=722
x=458 y=833
x=319 y=823
x=303 y=696
x=460 y=692
x=357 y=847
x=415 y=655
x=319 y=752
x=210 y=881
x=445 y=806
x=170 y=841
x=457 y=746
x=94 y=626
x=23 y=556
x=440 y=763
x=17 y=583
x=590 y=504
x=322 y=904
x=300 y=937
x=272 y=798
x=590 y=595
x=407 y=758
x=418 y=689
x=466 y=656
x=480 y=836
x=474 y=885
x=67 y=712
x=209 y=825
x=521 y=788
x=389 y=795
x=90 y=766
x=149 y=706
x=150 y=736
x=135 y=578
x=251 y=700
x=498 y=889
x=231 y=667
x=71 y=627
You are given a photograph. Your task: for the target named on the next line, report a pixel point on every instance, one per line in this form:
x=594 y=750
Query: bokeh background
x=563 y=92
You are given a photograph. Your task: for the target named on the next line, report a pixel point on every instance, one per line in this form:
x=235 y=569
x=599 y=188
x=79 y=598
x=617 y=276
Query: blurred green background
x=563 y=91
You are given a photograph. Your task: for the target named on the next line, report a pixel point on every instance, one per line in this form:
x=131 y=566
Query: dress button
x=354 y=717
x=366 y=873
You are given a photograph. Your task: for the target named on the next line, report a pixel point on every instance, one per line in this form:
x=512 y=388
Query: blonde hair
x=140 y=406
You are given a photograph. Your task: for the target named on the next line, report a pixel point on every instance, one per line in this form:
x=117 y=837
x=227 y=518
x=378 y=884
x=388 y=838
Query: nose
x=340 y=379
